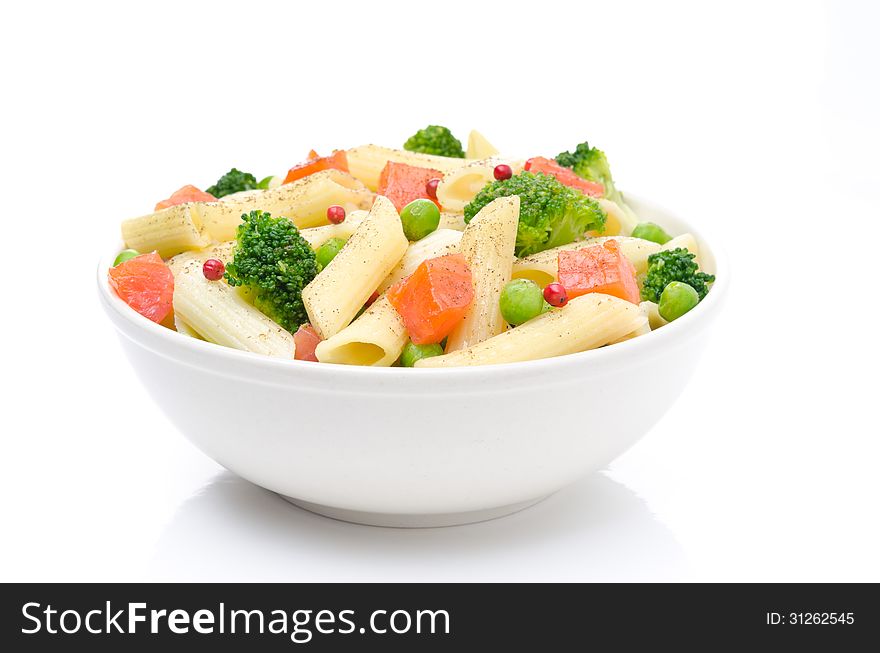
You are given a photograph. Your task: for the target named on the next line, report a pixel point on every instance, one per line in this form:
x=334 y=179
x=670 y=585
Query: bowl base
x=405 y=520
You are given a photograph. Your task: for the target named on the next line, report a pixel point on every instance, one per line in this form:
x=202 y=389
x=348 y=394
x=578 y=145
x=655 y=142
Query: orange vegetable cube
x=402 y=183
x=186 y=194
x=434 y=299
x=599 y=268
x=337 y=160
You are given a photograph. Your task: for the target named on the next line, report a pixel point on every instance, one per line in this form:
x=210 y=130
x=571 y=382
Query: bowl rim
x=692 y=322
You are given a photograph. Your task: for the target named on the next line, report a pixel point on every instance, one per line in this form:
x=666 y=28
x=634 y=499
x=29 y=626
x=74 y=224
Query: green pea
x=413 y=352
x=677 y=299
x=652 y=232
x=419 y=218
x=328 y=251
x=520 y=301
x=125 y=255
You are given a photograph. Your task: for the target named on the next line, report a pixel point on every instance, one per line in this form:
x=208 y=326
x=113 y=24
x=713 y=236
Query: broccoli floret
x=674 y=265
x=550 y=214
x=591 y=163
x=273 y=263
x=233 y=181
x=435 y=139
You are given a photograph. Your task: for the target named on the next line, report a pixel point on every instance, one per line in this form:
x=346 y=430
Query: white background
x=757 y=120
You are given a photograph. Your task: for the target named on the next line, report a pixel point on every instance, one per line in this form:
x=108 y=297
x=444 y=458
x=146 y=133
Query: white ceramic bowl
x=417 y=447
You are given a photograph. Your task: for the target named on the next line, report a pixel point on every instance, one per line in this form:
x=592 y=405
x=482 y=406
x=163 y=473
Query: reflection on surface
x=594 y=530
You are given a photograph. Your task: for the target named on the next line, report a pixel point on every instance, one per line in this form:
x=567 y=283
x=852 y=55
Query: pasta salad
x=428 y=256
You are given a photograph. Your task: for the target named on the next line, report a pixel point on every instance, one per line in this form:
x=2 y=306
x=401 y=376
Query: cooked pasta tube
x=451 y=221
x=686 y=241
x=437 y=243
x=182 y=327
x=219 y=314
x=458 y=187
x=304 y=201
x=619 y=221
x=170 y=231
x=317 y=236
x=586 y=322
x=487 y=245
x=339 y=291
x=652 y=310
x=543 y=267
x=376 y=338
x=221 y=251
x=642 y=329
x=366 y=162
x=478 y=147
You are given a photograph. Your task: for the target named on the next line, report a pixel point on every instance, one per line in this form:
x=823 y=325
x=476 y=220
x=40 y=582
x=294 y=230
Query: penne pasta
x=478 y=147
x=304 y=201
x=219 y=314
x=688 y=242
x=642 y=329
x=451 y=221
x=620 y=221
x=543 y=267
x=586 y=322
x=317 y=236
x=655 y=321
x=375 y=338
x=338 y=292
x=169 y=232
x=182 y=327
x=437 y=243
x=458 y=187
x=221 y=251
x=194 y=225
x=367 y=161
x=487 y=245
